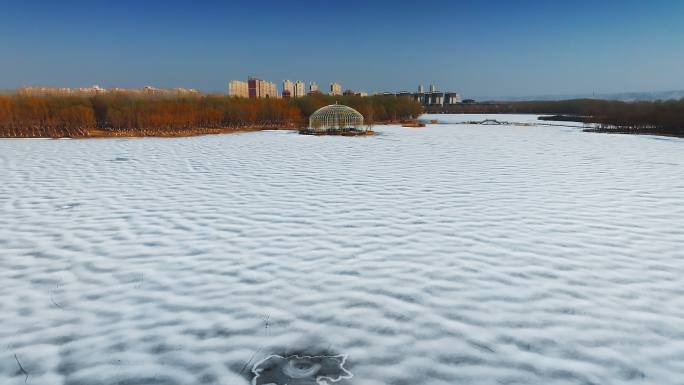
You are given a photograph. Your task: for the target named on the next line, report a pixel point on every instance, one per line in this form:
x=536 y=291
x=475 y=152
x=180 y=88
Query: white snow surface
x=439 y=255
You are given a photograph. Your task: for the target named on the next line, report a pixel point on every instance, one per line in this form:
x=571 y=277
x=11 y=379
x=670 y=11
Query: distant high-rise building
x=335 y=89
x=313 y=87
x=420 y=89
x=271 y=91
x=294 y=89
x=299 y=89
x=31 y=91
x=433 y=88
x=288 y=87
x=253 y=85
x=261 y=88
x=238 y=89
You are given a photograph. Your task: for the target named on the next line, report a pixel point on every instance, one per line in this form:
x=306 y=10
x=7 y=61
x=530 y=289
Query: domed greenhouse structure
x=336 y=119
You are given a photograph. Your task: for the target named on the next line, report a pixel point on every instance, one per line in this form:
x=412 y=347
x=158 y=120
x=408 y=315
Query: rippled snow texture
x=439 y=255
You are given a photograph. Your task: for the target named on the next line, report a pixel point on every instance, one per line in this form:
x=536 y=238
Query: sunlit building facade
x=288 y=89
x=299 y=89
x=238 y=89
x=335 y=89
x=258 y=88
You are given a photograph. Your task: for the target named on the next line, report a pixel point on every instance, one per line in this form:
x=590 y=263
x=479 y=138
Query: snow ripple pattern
x=439 y=255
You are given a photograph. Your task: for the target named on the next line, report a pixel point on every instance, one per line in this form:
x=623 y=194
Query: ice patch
x=300 y=370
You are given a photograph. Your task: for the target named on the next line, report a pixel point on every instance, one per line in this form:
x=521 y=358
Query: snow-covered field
x=440 y=255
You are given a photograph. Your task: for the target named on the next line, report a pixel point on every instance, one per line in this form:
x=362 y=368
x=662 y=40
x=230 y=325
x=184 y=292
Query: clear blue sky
x=492 y=48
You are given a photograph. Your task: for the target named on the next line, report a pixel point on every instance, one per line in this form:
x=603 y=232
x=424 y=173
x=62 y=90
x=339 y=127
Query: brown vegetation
x=413 y=124
x=121 y=114
x=45 y=116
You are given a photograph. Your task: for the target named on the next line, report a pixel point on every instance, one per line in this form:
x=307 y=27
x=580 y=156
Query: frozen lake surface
x=439 y=255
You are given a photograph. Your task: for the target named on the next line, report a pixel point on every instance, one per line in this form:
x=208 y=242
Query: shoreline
x=611 y=129
x=621 y=131
x=103 y=133
x=98 y=133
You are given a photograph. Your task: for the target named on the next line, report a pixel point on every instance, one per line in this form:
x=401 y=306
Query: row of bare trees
x=119 y=113
x=45 y=116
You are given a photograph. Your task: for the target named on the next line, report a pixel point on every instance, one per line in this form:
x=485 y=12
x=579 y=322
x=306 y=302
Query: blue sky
x=492 y=48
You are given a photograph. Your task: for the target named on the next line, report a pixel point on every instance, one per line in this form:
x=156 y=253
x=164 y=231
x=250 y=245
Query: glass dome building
x=336 y=118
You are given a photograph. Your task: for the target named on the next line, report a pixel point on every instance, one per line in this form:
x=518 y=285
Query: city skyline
x=501 y=49
x=297 y=89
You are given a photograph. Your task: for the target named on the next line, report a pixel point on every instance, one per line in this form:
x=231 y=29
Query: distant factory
x=433 y=97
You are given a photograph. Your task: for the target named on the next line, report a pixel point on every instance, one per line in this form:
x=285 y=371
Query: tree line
x=657 y=117
x=132 y=114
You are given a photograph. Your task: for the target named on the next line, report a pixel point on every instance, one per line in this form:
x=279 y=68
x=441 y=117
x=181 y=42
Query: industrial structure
x=433 y=97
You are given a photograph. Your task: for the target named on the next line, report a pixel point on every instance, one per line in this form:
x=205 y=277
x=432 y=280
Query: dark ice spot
x=663 y=138
x=482 y=346
x=300 y=370
x=21 y=368
x=349 y=272
x=120 y=159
